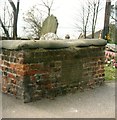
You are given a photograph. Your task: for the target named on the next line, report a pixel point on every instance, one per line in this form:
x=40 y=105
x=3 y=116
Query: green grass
x=110 y=73
x=112 y=42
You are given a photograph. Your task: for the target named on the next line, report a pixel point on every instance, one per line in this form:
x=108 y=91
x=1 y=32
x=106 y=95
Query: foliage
x=33 y=18
x=110 y=73
x=110 y=65
x=113 y=12
x=112 y=33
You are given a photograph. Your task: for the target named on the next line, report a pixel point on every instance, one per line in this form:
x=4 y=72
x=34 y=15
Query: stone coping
x=111 y=47
x=50 y=44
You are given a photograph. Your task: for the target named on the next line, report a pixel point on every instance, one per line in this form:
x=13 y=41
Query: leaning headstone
x=49 y=25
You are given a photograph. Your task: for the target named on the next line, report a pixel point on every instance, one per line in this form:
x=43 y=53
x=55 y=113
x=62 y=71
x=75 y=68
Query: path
x=97 y=103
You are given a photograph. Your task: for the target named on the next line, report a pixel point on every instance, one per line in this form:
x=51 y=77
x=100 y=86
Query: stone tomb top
x=51 y=44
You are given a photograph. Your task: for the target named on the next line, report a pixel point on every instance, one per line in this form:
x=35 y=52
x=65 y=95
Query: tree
x=34 y=18
x=84 y=19
x=15 y=19
x=86 y=23
x=4 y=28
x=112 y=32
x=107 y=19
x=15 y=13
x=113 y=12
x=96 y=5
x=90 y=10
x=113 y=23
x=5 y=20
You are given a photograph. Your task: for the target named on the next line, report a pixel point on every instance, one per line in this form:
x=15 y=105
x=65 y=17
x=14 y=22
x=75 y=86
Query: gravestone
x=49 y=25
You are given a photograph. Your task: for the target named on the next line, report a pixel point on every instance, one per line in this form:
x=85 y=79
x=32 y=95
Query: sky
x=66 y=11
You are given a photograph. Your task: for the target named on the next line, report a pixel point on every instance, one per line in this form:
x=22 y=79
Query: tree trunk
x=5 y=30
x=15 y=13
x=93 y=33
x=93 y=20
x=106 y=20
x=85 y=32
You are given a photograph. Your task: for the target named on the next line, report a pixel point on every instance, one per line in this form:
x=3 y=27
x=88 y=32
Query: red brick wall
x=37 y=73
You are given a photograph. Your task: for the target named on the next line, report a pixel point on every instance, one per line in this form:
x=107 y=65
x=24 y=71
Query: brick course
x=32 y=74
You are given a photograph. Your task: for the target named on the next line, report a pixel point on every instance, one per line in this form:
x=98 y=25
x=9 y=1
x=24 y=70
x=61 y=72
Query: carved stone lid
x=52 y=44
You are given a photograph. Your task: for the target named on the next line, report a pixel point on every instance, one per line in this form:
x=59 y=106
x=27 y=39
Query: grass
x=112 y=42
x=110 y=73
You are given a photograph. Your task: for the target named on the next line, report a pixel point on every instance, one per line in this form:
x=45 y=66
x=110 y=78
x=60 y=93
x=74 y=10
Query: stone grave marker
x=49 y=25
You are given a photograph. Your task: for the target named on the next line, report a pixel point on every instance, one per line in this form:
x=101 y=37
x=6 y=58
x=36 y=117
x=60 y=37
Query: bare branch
x=45 y=4
x=12 y=4
x=34 y=22
x=5 y=30
x=51 y=3
x=113 y=18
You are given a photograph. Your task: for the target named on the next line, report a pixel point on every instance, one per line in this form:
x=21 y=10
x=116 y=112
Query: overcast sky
x=66 y=12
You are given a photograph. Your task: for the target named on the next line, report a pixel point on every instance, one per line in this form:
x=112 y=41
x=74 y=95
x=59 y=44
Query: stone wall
x=32 y=74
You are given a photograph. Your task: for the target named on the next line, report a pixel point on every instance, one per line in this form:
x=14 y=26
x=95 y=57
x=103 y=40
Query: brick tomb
x=31 y=71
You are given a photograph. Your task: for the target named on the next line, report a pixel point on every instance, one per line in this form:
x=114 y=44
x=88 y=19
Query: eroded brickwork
x=32 y=74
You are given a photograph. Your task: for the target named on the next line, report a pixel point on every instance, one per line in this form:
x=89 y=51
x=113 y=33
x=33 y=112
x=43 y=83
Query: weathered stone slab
x=49 y=25
x=52 y=44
